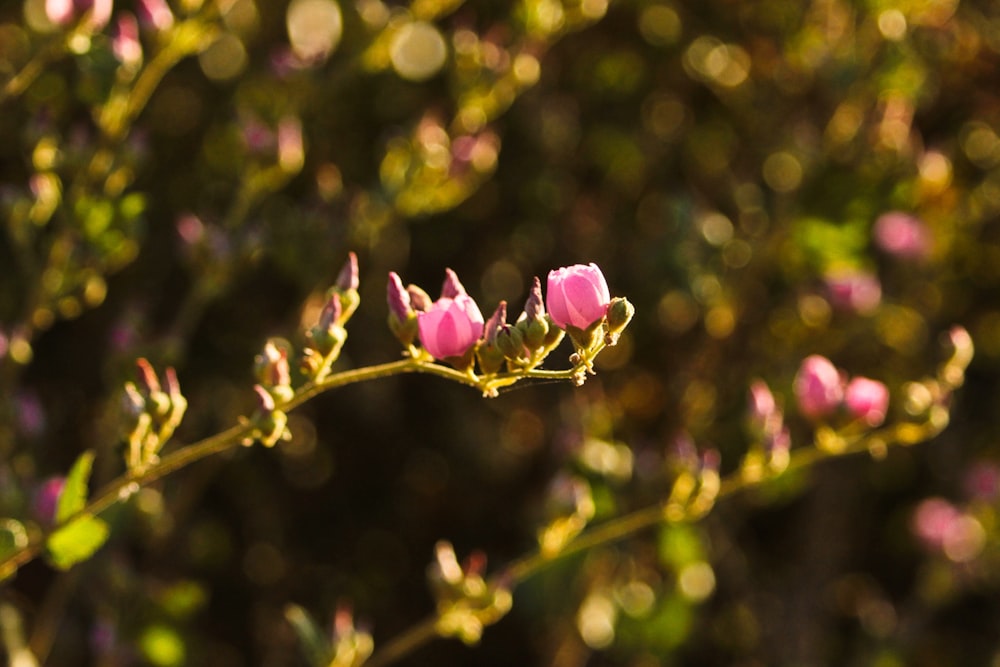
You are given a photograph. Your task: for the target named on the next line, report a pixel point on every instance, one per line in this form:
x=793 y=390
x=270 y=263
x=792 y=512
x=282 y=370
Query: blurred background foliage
x=764 y=180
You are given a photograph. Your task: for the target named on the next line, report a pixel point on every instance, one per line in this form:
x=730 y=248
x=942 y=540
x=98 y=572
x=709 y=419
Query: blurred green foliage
x=723 y=162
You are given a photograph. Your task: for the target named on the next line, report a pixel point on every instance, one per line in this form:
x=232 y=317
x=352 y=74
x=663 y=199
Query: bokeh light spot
x=892 y=24
x=696 y=581
x=223 y=60
x=782 y=171
x=314 y=28
x=660 y=25
x=417 y=51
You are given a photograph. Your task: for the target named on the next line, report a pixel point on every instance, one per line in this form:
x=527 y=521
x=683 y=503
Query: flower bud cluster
x=570 y=506
x=696 y=482
x=152 y=411
x=821 y=389
x=767 y=428
x=328 y=335
x=466 y=603
x=452 y=328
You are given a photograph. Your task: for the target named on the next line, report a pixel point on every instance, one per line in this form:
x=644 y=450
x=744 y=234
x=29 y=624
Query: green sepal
x=317 y=649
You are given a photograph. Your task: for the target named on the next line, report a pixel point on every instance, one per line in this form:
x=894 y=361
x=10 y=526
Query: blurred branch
x=128 y=484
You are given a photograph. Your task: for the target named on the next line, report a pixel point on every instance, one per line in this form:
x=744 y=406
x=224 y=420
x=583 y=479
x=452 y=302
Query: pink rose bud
x=578 y=296
x=450 y=327
x=902 y=235
x=867 y=400
x=818 y=387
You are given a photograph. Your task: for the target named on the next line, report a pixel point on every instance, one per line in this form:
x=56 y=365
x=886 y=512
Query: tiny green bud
x=510 y=341
x=620 y=312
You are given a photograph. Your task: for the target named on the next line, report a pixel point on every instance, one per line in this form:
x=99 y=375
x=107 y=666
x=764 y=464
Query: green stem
x=628 y=525
x=127 y=484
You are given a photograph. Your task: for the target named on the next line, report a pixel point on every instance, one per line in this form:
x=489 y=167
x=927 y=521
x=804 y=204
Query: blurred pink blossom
x=46 y=499
x=857 y=292
x=154 y=14
x=902 y=235
x=818 y=387
x=867 y=400
x=125 y=42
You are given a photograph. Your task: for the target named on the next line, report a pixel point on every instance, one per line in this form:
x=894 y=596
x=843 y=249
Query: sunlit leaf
x=76 y=541
x=73 y=498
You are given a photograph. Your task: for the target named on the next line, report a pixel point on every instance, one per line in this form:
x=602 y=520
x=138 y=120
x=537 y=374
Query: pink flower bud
x=450 y=327
x=125 y=43
x=46 y=499
x=62 y=12
x=452 y=286
x=398 y=298
x=347 y=279
x=857 y=292
x=154 y=14
x=578 y=296
x=818 y=387
x=902 y=235
x=867 y=400
x=765 y=417
x=59 y=12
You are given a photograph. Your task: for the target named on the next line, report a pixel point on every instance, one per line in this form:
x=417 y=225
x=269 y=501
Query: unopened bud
x=133 y=404
x=347 y=279
x=148 y=382
x=419 y=299
x=620 y=312
x=402 y=318
x=271 y=364
x=452 y=286
x=490 y=356
x=510 y=341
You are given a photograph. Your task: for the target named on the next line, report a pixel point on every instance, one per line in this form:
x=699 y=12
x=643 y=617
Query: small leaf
x=73 y=498
x=77 y=541
x=317 y=649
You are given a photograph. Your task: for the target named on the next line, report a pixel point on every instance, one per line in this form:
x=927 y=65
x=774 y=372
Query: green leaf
x=76 y=541
x=162 y=646
x=73 y=498
x=317 y=649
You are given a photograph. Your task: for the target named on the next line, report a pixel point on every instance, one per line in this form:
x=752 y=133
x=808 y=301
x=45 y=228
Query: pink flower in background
x=902 y=235
x=857 y=292
x=125 y=43
x=578 y=295
x=450 y=327
x=867 y=400
x=154 y=14
x=62 y=12
x=818 y=387
x=46 y=499
x=933 y=519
